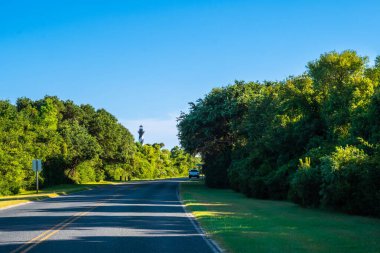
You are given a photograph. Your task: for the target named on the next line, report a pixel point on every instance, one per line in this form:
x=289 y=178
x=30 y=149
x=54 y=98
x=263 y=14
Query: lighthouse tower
x=141 y=134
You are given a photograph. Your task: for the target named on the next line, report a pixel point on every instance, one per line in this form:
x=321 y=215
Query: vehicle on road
x=194 y=173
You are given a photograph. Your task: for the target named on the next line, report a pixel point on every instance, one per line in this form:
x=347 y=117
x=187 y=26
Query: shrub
x=305 y=184
x=372 y=197
x=346 y=181
x=13 y=168
x=277 y=182
x=215 y=169
x=54 y=171
x=86 y=172
x=238 y=174
x=257 y=181
x=100 y=174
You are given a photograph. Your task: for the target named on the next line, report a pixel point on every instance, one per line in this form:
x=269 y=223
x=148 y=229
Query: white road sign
x=37 y=165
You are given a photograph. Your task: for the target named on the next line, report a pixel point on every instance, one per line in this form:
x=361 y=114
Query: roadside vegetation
x=242 y=225
x=77 y=144
x=313 y=139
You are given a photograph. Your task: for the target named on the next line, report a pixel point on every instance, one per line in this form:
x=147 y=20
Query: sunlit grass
x=49 y=192
x=157 y=178
x=240 y=224
x=210 y=214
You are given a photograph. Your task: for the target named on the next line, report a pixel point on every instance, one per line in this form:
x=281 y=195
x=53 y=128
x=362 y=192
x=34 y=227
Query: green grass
x=240 y=224
x=49 y=192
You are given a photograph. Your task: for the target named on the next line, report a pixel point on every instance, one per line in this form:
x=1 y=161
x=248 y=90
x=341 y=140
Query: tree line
x=77 y=144
x=313 y=139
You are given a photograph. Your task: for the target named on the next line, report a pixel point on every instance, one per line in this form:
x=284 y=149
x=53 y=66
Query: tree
x=252 y=136
x=79 y=146
x=209 y=127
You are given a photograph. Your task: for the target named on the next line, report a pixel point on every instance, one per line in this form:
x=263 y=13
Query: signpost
x=37 y=167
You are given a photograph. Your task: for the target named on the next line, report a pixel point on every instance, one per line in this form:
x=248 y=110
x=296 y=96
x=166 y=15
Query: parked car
x=194 y=173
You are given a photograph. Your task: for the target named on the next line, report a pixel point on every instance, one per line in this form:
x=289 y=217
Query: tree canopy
x=312 y=138
x=77 y=144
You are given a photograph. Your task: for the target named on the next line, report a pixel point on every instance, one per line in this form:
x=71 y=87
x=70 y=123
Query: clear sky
x=145 y=60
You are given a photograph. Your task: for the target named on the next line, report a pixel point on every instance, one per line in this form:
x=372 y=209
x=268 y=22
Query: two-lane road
x=135 y=217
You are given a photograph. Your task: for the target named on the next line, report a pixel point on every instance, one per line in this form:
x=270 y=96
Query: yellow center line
x=50 y=232
x=53 y=231
x=41 y=235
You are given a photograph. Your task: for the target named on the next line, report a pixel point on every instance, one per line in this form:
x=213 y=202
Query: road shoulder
x=210 y=242
x=7 y=202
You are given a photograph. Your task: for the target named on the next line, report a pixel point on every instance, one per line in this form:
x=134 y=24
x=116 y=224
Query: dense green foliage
x=77 y=144
x=313 y=138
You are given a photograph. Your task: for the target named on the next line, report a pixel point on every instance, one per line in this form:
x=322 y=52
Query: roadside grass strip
x=50 y=192
x=241 y=224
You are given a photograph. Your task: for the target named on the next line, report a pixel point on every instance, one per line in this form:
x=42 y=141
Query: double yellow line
x=52 y=231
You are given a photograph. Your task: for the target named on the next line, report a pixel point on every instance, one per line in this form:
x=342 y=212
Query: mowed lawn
x=241 y=224
x=49 y=192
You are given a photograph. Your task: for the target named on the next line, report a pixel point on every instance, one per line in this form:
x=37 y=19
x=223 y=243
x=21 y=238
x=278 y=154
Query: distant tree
x=79 y=146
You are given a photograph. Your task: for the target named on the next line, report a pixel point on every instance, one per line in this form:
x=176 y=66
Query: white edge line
x=211 y=243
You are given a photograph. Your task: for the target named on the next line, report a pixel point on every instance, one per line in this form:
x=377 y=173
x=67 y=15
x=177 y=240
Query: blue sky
x=145 y=60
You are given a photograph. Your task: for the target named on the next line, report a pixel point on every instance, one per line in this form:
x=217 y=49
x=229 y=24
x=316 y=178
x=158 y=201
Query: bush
x=372 y=198
x=367 y=196
x=118 y=172
x=54 y=171
x=100 y=174
x=347 y=182
x=306 y=184
x=85 y=172
x=257 y=180
x=277 y=182
x=238 y=173
x=215 y=169
x=13 y=168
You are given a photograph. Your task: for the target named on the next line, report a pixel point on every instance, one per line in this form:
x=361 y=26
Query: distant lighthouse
x=141 y=134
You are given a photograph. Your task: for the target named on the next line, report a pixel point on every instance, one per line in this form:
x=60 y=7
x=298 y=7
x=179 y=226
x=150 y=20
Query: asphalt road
x=135 y=217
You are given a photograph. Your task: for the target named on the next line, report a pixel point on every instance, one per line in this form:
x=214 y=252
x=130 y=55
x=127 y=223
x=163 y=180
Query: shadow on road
x=142 y=217
x=101 y=244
